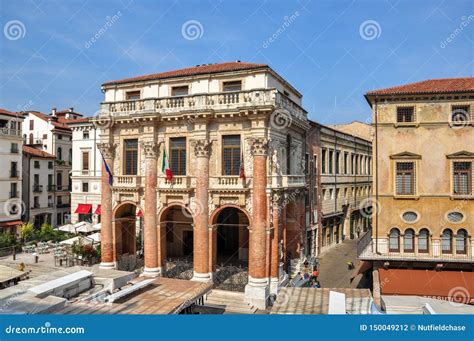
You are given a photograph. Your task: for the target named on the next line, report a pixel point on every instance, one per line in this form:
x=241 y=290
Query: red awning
x=97 y=210
x=84 y=209
x=139 y=213
x=457 y=286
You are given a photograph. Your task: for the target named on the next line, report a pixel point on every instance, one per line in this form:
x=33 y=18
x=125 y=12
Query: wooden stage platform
x=162 y=296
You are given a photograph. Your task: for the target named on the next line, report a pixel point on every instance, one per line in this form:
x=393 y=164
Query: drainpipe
x=376 y=178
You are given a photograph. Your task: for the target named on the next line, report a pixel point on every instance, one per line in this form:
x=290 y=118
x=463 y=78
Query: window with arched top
x=461 y=242
x=409 y=241
x=394 y=240
x=60 y=153
x=447 y=241
x=423 y=241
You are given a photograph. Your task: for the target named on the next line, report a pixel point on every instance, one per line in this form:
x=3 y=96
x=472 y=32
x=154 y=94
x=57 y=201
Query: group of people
x=311 y=277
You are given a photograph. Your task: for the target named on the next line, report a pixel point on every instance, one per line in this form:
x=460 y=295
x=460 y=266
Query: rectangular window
x=132 y=95
x=323 y=161
x=232 y=86
x=14 y=148
x=131 y=156
x=405 y=114
x=60 y=137
x=85 y=135
x=231 y=155
x=462 y=182
x=85 y=160
x=405 y=178
x=32 y=124
x=338 y=155
x=330 y=161
x=85 y=187
x=14 y=190
x=50 y=164
x=59 y=221
x=13 y=169
x=346 y=155
x=36 y=202
x=179 y=90
x=178 y=155
x=50 y=182
x=36 y=164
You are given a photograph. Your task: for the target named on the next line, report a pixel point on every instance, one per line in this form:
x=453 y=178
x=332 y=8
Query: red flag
x=242 y=168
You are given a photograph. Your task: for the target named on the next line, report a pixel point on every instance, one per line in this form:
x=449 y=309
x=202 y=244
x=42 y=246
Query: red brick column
x=150 y=234
x=275 y=256
x=256 y=291
x=106 y=233
x=201 y=212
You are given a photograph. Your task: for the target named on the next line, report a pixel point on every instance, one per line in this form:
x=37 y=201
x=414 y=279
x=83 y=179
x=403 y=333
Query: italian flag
x=165 y=167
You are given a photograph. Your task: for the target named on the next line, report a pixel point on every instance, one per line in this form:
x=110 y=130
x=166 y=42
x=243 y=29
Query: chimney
x=53 y=112
x=71 y=109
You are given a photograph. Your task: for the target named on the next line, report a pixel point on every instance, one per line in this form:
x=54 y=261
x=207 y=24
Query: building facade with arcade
x=213 y=160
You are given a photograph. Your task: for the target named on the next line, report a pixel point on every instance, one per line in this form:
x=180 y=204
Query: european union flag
x=107 y=169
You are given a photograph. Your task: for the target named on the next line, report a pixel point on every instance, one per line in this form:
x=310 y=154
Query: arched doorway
x=231 y=237
x=177 y=223
x=127 y=217
x=230 y=245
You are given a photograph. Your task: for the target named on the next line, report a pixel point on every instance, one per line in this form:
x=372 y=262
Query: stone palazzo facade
x=234 y=137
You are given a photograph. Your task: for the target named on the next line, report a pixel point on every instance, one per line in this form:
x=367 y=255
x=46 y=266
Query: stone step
x=233 y=310
x=225 y=293
x=222 y=303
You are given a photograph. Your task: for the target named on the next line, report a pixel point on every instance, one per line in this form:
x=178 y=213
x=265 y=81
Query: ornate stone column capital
x=277 y=198
x=259 y=146
x=107 y=149
x=151 y=149
x=202 y=148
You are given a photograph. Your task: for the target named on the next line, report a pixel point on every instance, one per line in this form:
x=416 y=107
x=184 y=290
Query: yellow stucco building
x=423 y=156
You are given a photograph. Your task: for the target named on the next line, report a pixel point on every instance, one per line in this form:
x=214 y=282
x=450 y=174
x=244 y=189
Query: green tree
x=26 y=231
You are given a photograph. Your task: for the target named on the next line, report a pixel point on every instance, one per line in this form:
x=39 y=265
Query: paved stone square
x=333 y=271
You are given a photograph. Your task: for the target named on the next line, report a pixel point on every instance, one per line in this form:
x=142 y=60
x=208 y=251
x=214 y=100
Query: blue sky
x=320 y=47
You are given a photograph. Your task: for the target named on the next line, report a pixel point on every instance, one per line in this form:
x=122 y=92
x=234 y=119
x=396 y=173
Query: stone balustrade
x=128 y=181
x=206 y=102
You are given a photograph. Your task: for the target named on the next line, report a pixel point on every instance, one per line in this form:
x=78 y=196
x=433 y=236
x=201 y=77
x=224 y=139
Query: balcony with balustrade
x=130 y=182
x=207 y=102
x=177 y=182
x=432 y=252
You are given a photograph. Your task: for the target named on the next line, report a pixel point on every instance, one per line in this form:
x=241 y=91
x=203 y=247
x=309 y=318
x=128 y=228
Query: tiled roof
x=442 y=85
x=191 y=71
x=37 y=152
x=59 y=124
x=9 y=113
